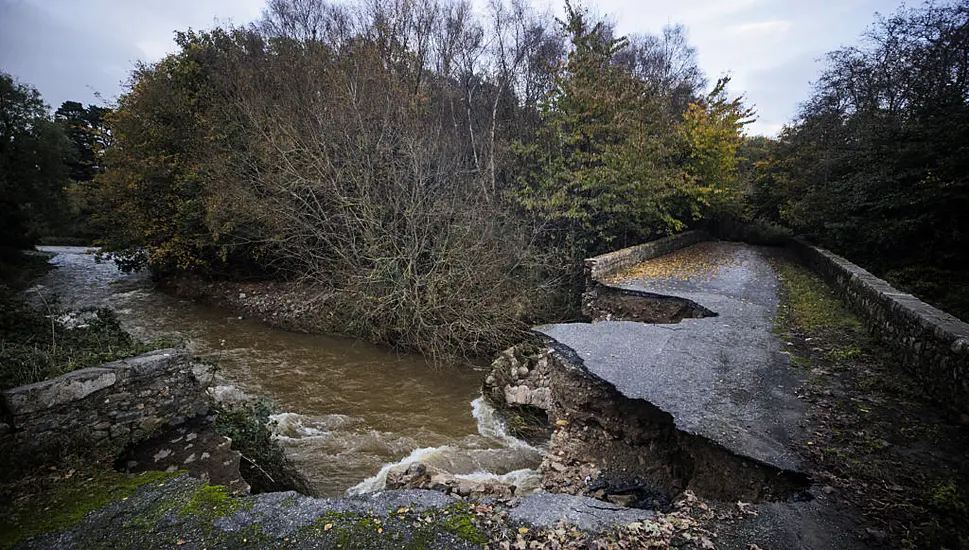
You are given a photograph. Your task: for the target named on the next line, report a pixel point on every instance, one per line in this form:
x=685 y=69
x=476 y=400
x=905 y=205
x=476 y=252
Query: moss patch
x=459 y=521
x=66 y=504
x=876 y=442
x=210 y=502
x=406 y=528
x=812 y=305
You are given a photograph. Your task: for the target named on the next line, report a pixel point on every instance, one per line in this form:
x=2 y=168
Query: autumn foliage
x=438 y=173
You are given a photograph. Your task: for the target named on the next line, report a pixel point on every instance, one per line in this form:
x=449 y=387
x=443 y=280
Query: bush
x=38 y=345
x=41 y=343
x=757 y=231
x=264 y=465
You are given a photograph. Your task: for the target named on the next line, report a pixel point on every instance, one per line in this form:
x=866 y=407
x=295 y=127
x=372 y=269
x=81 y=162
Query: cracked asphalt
x=725 y=378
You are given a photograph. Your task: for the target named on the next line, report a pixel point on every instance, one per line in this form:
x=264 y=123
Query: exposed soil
x=288 y=306
x=605 y=303
x=624 y=450
x=877 y=444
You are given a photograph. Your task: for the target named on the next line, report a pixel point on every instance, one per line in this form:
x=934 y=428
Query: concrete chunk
x=154 y=362
x=61 y=390
x=548 y=509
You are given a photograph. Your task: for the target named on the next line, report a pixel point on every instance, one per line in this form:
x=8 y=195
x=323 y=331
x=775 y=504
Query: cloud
x=64 y=62
x=714 y=10
x=154 y=49
x=70 y=48
x=760 y=28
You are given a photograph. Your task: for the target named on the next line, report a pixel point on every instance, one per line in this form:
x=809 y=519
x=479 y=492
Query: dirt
x=284 y=305
x=624 y=450
x=877 y=443
x=605 y=303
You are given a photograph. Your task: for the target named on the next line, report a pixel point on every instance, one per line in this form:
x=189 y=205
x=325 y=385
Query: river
x=349 y=409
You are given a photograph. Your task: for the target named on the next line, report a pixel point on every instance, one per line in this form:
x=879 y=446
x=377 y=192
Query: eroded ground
x=729 y=362
x=833 y=446
x=724 y=376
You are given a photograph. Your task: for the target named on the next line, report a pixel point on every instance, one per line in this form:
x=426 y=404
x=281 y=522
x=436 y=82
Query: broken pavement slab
x=584 y=513
x=724 y=378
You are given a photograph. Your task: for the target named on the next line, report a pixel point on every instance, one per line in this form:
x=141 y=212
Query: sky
x=83 y=50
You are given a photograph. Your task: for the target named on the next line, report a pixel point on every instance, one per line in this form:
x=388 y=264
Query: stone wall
x=602 y=266
x=931 y=344
x=104 y=407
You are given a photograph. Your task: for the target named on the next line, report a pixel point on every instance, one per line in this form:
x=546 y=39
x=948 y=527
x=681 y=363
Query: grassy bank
x=60 y=499
x=40 y=340
x=876 y=441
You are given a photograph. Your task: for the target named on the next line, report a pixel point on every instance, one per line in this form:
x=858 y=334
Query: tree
x=713 y=131
x=33 y=169
x=875 y=166
x=668 y=63
x=618 y=161
x=86 y=129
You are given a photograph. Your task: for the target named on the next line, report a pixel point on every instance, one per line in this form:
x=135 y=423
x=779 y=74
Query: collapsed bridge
x=678 y=383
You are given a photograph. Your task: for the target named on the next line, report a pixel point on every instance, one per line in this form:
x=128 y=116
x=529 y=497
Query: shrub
x=37 y=345
x=264 y=464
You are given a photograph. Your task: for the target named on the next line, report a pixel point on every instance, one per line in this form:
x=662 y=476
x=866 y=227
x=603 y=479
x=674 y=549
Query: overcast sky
x=72 y=49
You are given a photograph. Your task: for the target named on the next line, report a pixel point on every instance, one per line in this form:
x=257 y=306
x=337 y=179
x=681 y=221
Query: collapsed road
x=678 y=384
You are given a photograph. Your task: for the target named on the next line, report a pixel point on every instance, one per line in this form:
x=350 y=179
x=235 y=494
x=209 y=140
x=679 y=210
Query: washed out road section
x=725 y=378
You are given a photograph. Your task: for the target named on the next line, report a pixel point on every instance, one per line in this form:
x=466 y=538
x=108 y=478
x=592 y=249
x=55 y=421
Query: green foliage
x=874 y=167
x=87 y=132
x=614 y=163
x=40 y=340
x=264 y=466
x=354 y=160
x=41 y=343
x=946 y=498
x=151 y=197
x=33 y=169
x=595 y=173
x=85 y=127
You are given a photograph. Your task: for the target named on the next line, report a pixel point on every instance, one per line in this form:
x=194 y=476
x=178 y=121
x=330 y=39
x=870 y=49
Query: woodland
x=442 y=171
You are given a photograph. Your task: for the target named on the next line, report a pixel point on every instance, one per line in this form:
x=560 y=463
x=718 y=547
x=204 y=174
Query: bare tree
x=667 y=61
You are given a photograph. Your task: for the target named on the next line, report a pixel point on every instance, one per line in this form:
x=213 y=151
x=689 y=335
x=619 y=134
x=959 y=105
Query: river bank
x=346 y=409
x=166 y=510
x=287 y=306
x=873 y=464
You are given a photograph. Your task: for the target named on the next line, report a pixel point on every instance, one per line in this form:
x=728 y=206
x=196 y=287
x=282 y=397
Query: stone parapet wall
x=931 y=344
x=108 y=406
x=608 y=264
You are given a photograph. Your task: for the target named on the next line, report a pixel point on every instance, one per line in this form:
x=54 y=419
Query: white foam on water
x=379 y=481
x=299 y=426
x=491 y=427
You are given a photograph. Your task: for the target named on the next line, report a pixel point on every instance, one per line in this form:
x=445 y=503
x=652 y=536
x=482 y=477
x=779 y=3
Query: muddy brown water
x=349 y=409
